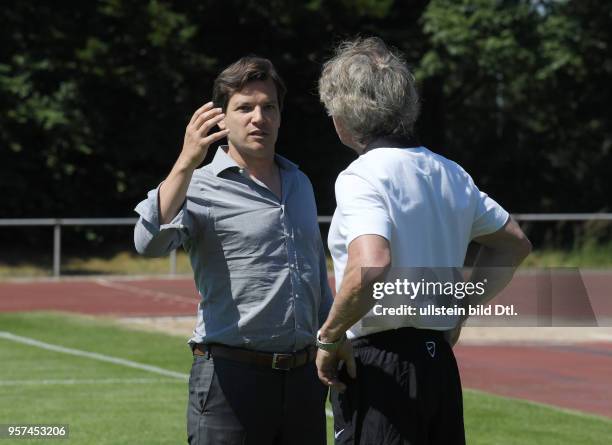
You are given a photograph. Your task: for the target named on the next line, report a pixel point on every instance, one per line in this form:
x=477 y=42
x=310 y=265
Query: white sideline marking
x=81 y=382
x=93 y=355
x=144 y=292
x=602 y=337
x=100 y=357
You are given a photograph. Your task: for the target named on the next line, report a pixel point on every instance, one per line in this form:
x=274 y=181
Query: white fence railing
x=58 y=223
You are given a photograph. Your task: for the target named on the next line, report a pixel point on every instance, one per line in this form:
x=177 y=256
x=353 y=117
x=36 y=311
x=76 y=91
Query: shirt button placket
x=291 y=259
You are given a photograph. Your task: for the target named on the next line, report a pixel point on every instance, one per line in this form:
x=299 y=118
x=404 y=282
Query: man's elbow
x=147 y=245
x=143 y=248
x=509 y=243
x=524 y=248
x=519 y=249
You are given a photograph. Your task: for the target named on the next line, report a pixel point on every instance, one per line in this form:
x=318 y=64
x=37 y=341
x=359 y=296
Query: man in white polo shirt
x=399 y=205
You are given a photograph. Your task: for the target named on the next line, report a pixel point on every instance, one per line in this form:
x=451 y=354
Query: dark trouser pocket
x=200 y=380
x=211 y=420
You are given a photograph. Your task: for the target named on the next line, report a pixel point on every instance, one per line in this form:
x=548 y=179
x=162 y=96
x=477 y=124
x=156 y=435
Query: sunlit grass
x=128 y=263
x=124 y=263
x=587 y=255
x=113 y=411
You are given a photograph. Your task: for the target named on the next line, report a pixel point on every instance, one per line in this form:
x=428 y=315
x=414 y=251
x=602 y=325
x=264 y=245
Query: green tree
x=518 y=92
x=95 y=95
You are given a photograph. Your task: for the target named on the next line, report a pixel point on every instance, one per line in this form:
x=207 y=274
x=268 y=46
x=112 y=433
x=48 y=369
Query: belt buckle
x=277 y=360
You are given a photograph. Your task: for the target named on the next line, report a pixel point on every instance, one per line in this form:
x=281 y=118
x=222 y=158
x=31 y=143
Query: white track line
x=93 y=355
x=101 y=357
x=144 y=292
x=602 y=337
x=572 y=411
x=82 y=382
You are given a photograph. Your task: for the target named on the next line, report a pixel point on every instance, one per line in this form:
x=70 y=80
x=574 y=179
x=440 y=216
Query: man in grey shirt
x=249 y=222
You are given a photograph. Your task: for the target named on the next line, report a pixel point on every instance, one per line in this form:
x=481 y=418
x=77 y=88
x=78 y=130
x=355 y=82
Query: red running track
x=102 y=297
x=575 y=376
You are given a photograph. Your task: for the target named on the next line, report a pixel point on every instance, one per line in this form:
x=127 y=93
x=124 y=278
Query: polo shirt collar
x=392 y=141
x=223 y=161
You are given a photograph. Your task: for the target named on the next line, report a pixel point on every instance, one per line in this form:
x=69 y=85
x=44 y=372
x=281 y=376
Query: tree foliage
x=522 y=90
x=95 y=95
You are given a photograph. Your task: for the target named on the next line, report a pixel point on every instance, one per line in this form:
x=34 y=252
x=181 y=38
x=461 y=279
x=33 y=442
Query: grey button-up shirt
x=258 y=263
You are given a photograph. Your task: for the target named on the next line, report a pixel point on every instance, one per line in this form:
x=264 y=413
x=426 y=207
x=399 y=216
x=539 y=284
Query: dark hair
x=247 y=69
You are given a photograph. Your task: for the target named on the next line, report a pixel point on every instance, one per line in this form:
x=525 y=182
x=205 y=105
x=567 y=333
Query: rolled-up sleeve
x=154 y=239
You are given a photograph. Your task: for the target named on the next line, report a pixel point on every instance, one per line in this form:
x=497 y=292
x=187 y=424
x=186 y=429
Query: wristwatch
x=332 y=346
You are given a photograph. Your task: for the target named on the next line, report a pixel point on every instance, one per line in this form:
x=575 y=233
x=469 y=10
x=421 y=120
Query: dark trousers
x=407 y=392
x=236 y=403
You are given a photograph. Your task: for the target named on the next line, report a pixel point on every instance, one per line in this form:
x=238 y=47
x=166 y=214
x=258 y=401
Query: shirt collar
x=223 y=161
x=392 y=141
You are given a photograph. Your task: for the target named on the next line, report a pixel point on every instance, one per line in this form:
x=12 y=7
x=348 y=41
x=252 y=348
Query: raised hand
x=173 y=190
x=197 y=137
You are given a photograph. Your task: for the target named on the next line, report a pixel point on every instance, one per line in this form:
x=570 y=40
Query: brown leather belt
x=283 y=362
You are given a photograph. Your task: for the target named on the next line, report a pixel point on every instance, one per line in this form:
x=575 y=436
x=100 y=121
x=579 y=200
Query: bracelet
x=329 y=346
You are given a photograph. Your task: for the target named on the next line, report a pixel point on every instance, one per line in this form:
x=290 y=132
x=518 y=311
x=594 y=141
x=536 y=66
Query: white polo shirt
x=425 y=205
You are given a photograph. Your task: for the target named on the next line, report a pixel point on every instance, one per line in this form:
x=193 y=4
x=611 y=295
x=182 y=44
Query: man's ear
x=221 y=124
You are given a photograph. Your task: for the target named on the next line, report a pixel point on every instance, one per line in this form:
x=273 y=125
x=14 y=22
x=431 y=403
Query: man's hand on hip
x=328 y=363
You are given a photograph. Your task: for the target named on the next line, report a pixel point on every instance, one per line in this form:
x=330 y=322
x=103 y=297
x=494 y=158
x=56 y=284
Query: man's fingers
x=210 y=123
x=327 y=369
x=214 y=137
x=205 y=118
x=330 y=379
x=207 y=106
x=325 y=377
x=337 y=385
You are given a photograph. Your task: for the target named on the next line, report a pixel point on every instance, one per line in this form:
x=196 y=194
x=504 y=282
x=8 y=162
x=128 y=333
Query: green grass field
x=107 y=403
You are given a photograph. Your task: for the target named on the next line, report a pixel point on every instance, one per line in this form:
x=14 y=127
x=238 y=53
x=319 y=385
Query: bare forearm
x=354 y=299
x=369 y=258
x=498 y=258
x=496 y=268
x=350 y=305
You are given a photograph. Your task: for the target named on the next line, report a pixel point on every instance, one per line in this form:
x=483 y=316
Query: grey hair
x=370 y=89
